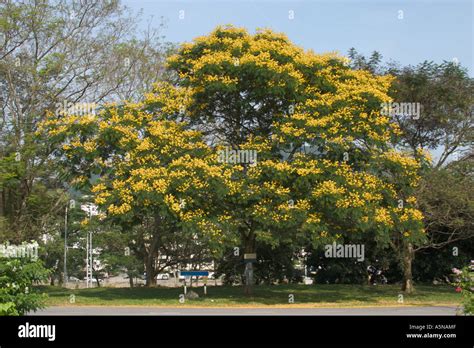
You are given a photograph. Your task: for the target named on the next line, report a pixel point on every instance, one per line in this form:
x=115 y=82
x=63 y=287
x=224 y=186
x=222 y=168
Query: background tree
x=445 y=127
x=445 y=92
x=53 y=53
x=446 y=198
x=119 y=254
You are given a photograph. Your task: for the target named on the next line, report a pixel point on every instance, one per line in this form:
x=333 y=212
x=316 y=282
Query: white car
x=163 y=276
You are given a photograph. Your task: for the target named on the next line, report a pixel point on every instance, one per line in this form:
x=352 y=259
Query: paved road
x=78 y=310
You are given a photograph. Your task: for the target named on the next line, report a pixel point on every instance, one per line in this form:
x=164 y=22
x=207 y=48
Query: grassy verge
x=278 y=295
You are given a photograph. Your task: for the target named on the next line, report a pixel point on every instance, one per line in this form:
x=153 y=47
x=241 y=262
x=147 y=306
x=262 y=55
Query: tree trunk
x=97 y=280
x=150 y=260
x=408 y=256
x=130 y=280
x=249 y=280
x=150 y=271
x=249 y=248
x=2 y=203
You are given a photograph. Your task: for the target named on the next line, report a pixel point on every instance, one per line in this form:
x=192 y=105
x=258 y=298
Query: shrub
x=17 y=275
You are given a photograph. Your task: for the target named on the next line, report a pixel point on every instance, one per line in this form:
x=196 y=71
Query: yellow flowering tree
x=326 y=165
x=254 y=140
x=150 y=175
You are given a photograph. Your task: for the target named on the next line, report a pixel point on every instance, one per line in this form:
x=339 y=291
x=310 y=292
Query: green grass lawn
x=277 y=295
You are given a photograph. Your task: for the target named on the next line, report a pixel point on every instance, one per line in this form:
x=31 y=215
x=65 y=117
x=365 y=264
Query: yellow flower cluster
x=411 y=214
x=408 y=163
x=275 y=187
x=353 y=200
x=119 y=210
x=172 y=203
x=382 y=215
x=328 y=187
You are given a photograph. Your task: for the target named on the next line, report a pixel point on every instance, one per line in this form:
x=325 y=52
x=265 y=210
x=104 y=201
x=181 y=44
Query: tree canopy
x=327 y=166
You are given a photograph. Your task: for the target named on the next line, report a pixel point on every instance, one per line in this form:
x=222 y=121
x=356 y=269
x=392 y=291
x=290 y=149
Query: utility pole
x=90 y=255
x=89 y=251
x=89 y=243
x=65 y=248
x=72 y=204
x=87 y=261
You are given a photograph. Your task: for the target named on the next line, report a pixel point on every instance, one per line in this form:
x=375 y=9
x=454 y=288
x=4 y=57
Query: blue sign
x=194 y=273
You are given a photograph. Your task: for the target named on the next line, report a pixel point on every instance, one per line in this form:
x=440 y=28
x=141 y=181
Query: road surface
x=97 y=310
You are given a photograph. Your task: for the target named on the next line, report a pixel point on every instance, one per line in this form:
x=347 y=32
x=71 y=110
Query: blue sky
x=426 y=30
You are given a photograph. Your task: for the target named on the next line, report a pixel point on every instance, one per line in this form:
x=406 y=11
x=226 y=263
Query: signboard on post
x=250 y=258
x=194 y=273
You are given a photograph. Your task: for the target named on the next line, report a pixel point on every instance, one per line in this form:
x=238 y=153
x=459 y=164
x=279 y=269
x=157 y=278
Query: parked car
x=162 y=276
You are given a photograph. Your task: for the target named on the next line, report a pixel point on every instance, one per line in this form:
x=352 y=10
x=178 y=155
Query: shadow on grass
x=114 y=294
x=263 y=294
